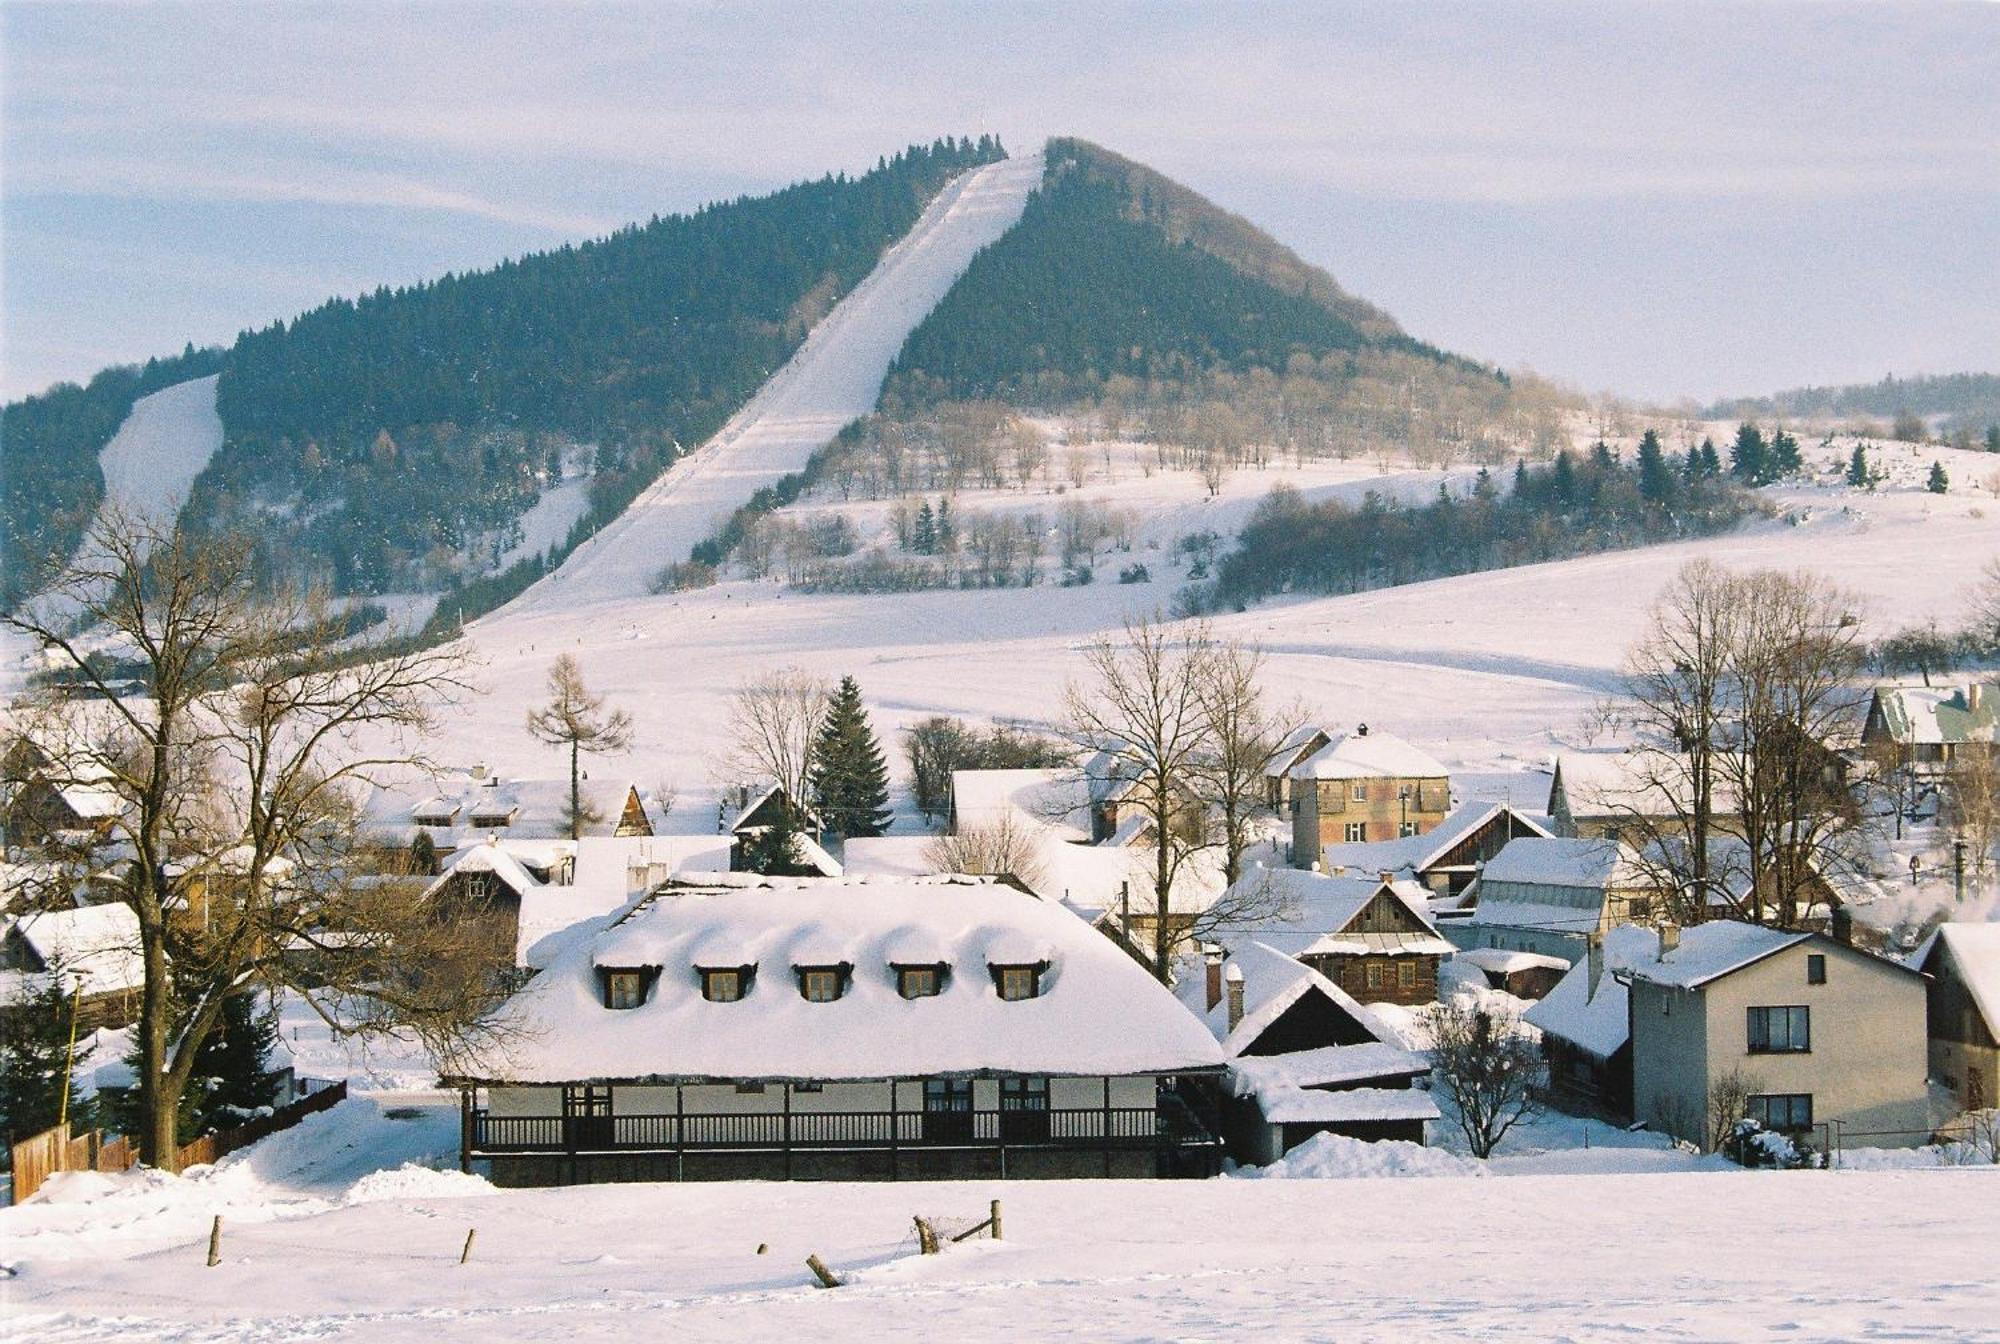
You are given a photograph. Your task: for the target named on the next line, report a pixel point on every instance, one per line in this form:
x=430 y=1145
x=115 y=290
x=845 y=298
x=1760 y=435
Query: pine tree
x=850 y=779
x=35 y=1061
x=1711 y=461
x=1858 y=474
x=1781 y=457
x=423 y=855
x=232 y=1069
x=1483 y=488
x=1938 y=483
x=947 y=531
x=923 y=538
x=1993 y=438
x=1747 y=458
x=1562 y=480
x=1656 y=480
x=774 y=850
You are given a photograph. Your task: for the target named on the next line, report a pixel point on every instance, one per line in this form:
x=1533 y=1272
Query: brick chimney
x=1842 y=925
x=1234 y=977
x=1670 y=939
x=1214 y=968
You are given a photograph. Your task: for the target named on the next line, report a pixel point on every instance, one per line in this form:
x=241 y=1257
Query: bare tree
x=576 y=719
x=1986 y=599
x=1489 y=1068
x=1003 y=848
x=1143 y=712
x=1973 y=802
x=237 y=767
x=1243 y=736
x=774 y=723
x=1728 y=1102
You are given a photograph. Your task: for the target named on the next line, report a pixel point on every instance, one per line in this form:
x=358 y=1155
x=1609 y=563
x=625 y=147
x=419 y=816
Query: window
x=1639 y=911
x=1017 y=982
x=819 y=985
x=1356 y=832
x=750 y=1089
x=1787 y=1111
x=724 y=986
x=1374 y=975
x=948 y=1094
x=1024 y=1094
x=1816 y=969
x=917 y=982
x=1406 y=829
x=1780 y=1031
x=808 y=1087
x=1360 y=793
x=1406 y=975
x=624 y=989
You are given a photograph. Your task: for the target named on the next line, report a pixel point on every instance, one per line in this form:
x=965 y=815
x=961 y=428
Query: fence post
x=466 y=1254
x=996 y=1220
x=215 y=1242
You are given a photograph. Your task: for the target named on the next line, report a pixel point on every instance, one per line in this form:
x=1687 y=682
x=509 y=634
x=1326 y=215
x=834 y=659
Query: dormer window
x=1018 y=982
x=823 y=984
x=920 y=982
x=724 y=984
x=626 y=986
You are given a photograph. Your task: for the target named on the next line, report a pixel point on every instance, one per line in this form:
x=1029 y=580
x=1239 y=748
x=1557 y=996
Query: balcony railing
x=1091 y=1127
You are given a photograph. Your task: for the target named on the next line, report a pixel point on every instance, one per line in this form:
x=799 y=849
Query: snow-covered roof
x=97 y=945
x=1369 y=755
x=1293 y=746
x=467 y=804
x=1594 y=1018
x=1501 y=961
x=1934 y=715
x=1563 y=861
x=1099 y=1012
x=1285 y=1105
x=890 y=856
x=610 y=872
x=1057 y=800
x=1418 y=853
x=491 y=857
x=1272 y=982
x=1307 y=913
x=1328 y=1065
x=1722 y=946
x=1974 y=950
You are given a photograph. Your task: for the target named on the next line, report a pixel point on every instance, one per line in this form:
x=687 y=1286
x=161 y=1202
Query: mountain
x=398 y=440
x=1115 y=270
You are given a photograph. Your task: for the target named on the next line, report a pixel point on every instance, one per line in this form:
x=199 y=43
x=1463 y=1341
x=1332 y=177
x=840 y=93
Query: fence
x=39 y=1157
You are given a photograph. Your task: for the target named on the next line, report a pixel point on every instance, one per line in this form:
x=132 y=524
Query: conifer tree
x=233 y=1067
x=1781 y=456
x=35 y=1062
x=1939 y=483
x=576 y=719
x=1656 y=481
x=1483 y=488
x=1562 y=480
x=850 y=778
x=1711 y=461
x=774 y=850
x=923 y=539
x=1747 y=458
x=1858 y=474
x=1993 y=438
x=947 y=531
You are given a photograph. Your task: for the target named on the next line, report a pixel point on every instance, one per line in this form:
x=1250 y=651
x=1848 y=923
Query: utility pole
x=1958 y=869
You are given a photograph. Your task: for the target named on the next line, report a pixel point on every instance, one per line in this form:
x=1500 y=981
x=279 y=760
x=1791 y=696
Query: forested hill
x=1116 y=271
x=395 y=441
x=1962 y=399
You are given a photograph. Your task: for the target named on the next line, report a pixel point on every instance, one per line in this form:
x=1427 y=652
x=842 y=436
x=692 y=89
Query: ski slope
x=834 y=377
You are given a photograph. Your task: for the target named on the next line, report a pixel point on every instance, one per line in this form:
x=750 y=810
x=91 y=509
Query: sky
x=1674 y=201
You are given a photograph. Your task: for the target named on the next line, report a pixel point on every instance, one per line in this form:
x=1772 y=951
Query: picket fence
x=41 y=1156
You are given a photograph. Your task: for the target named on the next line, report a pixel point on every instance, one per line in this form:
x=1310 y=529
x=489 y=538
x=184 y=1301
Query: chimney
x=1595 y=956
x=1234 y=977
x=1386 y=875
x=1361 y=730
x=1843 y=925
x=1975 y=696
x=479 y=771
x=1213 y=965
x=1670 y=939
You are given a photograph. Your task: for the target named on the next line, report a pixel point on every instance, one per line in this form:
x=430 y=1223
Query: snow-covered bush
x=1749 y=1144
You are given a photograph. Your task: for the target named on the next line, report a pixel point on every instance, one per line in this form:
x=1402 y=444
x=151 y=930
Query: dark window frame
x=906 y=970
x=1795 y=1038
x=710 y=980
x=1760 y=1107
x=1816 y=968
x=1002 y=970
x=841 y=972
x=647 y=975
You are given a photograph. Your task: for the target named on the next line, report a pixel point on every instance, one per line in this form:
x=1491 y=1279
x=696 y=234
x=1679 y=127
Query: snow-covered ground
x=151 y=463
x=835 y=377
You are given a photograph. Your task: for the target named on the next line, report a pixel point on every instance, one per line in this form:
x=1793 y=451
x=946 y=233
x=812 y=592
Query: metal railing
x=1094 y=1126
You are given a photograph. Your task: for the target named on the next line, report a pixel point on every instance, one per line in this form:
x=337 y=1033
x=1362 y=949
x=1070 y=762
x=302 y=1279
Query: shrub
x=1135 y=574
x=682 y=576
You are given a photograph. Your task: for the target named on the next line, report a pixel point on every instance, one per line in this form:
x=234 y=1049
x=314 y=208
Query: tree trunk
x=575 y=795
x=159 y=1099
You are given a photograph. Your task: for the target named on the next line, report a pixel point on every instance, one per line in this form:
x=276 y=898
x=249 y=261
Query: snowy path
x=1798 y=1256
x=835 y=376
x=151 y=463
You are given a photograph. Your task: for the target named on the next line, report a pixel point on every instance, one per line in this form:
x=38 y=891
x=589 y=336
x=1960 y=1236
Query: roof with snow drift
x=1032 y=800
x=1593 y=1017
x=95 y=945
x=1974 y=952
x=1724 y=946
x=1937 y=714
x=1307 y=914
x=1098 y=1011
x=1369 y=755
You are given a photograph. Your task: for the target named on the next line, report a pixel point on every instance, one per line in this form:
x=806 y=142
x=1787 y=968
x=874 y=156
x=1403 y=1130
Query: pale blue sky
x=1681 y=200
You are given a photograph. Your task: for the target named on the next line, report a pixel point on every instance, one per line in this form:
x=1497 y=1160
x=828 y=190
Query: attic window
x=725 y=984
x=1019 y=982
x=823 y=984
x=920 y=982
x=626 y=986
x=1816 y=969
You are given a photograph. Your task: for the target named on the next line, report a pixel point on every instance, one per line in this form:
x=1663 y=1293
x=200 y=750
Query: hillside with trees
x=1966 y=406
x=394 y=441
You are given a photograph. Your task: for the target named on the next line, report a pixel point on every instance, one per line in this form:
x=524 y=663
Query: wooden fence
x=37 y=1158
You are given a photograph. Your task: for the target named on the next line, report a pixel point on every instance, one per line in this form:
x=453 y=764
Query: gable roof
x=1294 y=746
x=1724 y=946
x=1595 y=1019
x=1974 y=950
x=96 y=946
x=1934 y=715
x=1364 y=754
x=1053 y=800
x=1272 y=983
x=1099 y=1012
x=1563 y=861
x=1417 y=854
x=1313 y=911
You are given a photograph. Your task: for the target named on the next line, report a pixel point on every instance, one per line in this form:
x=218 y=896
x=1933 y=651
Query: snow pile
x=414 y=1181
x=1332 y=1157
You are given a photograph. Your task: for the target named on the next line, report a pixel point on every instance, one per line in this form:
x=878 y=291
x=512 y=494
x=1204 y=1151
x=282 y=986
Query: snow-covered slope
x=835 y=376
x=151 y=463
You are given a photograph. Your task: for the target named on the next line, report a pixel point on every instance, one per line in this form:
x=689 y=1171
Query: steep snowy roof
x=1057 y=800
x=1369 y=755
x=1293 y=746
x=1937 y=714
x=1417 y=853
x=1594 y=1019
x=1302 y=910
x=1273 y=982
x=1715 y=949
x=97 y=945
x=1974 y=950
x=1099 y=1012
x=492 y=857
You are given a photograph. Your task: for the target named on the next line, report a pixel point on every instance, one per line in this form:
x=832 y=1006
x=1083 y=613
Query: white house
x=739 y=1026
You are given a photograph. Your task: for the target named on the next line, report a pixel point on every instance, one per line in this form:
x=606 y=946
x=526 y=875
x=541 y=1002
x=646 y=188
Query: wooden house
x=1962 y=1010
x=1370 y=936
x=92 y=951
x=1929 y=728
x=1445 y=859
x=773 y=1028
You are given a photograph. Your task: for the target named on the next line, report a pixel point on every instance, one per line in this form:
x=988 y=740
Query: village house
x=1929 y=728
x=1525 y=975
x=1962 y=1010
x=1810 y=1033
x=92 y=951
x=1548 y=896
x=1446 y=858
x=458 y=808
x=752 y=813
x=746 y=1027
x=1293 y=749
x=1370 y=936
x=44 y=804
x=1364 y=786
x=1304 y=1057
x=1586 y=1031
